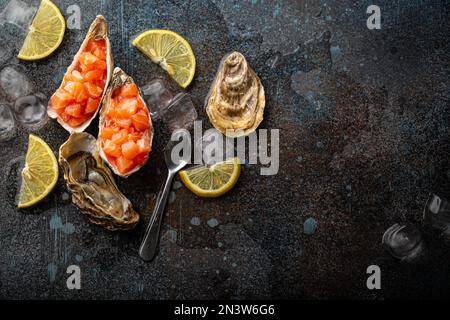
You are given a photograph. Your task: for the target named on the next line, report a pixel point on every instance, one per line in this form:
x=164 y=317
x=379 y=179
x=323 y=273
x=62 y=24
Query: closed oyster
x=235 y=104
x=77 y=100
x=125 y=127
x=92 y=185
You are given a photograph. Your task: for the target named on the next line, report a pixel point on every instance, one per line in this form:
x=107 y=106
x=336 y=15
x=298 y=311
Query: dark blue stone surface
x=364 y=127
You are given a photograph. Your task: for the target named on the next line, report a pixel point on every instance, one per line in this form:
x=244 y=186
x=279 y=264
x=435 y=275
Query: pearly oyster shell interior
x=92 y=184
x=235 y=104
x=118 y=79
x=97 y=30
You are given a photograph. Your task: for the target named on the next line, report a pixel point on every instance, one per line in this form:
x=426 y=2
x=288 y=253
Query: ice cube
x=403 y=241
x=17 y=13
x=31 y=111
x=213 y=147
x=6 y=51
x=14 y=83
x=7 y=127
x=437 y=211
x=157 y=96
x=180 y=113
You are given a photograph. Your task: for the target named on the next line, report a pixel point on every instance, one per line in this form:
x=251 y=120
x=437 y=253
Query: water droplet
x=195 y=221
x=309 y=226
x=55 y=222
x=212 y=223
x=171 y=235
x=68 y=228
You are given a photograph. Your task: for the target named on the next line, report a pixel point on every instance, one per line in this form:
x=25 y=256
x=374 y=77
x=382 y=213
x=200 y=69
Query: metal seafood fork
x=149 y=244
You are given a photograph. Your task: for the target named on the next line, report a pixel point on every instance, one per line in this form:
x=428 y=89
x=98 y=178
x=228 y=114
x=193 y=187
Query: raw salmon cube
x=112 y=149
x=123 y=122
x=100 y=53
x=100 y=64
x=93 y=90
x=93 y=75
x=76 y=89
x=127 y=108
x=85 y=68
x=129 y=90
x=74 y=110
x=130 y=150
x=60 y=99
x=75 y=75
x=91 y=105
x=111 y=112
x=140 y=121
x=123 y=164
x=133 y=136
x=76 y=122
x=144 y=145
x=94 y=44
x=65 y=117
x=108 y=133
x=87 y=59
x=120 y=137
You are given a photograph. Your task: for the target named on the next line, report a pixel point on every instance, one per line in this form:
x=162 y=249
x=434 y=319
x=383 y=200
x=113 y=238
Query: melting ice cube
x=6 y=51
x=31 y=110
x=17 y=13
x=14 y=83
x=403 y=241
x=7 y=128
x=180 y=113
x=157 y=96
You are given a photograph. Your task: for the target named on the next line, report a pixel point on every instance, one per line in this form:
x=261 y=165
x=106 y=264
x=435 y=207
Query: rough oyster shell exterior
x=235 y=104
x=92 y=185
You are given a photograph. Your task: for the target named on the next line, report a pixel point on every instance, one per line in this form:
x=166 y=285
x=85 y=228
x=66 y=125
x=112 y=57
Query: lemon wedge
x=171 y=51
x=212 y=181
x=40 y=174
x=45 y=34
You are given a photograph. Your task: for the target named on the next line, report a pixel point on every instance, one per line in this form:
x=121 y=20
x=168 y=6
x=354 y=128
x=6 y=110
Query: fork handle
x=149 y=244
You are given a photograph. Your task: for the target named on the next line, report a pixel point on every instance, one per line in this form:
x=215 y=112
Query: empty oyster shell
x=97 y=31
x=235 y=104
x=92 y=185
x=119 y=79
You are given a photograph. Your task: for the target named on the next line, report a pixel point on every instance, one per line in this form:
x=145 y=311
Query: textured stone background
x=363 y=118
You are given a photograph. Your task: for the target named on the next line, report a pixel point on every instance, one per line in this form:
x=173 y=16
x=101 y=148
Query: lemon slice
x=40 y=173
x=45 y=33
x=171 y=51
x=212 y=181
